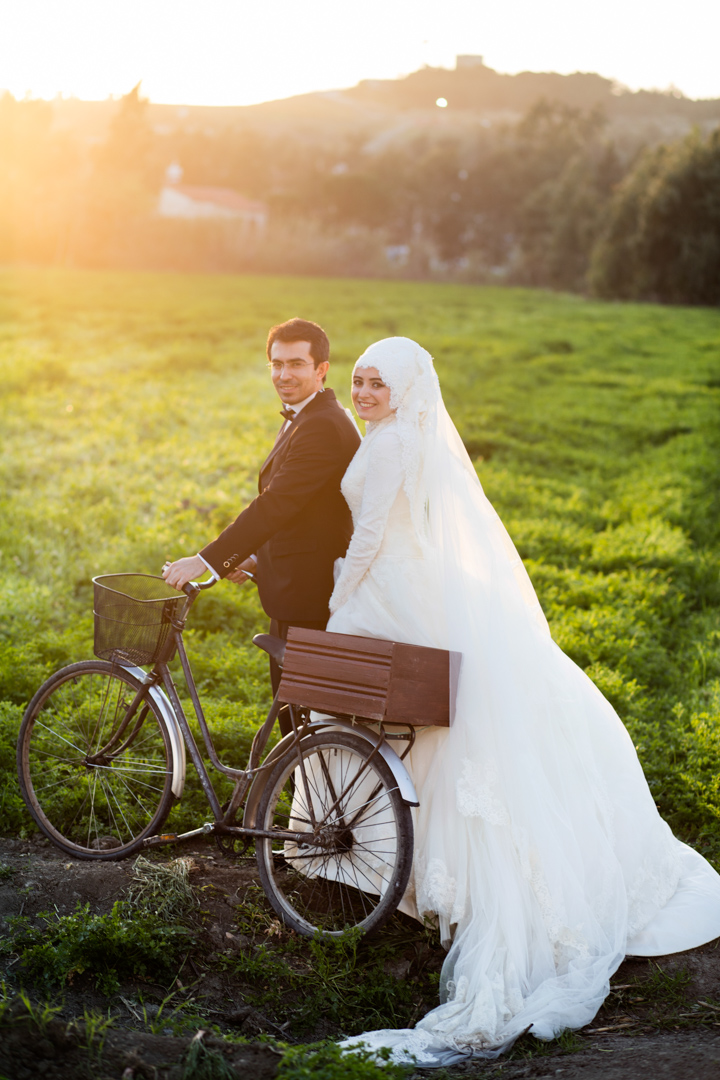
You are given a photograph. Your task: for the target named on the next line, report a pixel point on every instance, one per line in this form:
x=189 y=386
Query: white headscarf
x=415 y=397
x=408 y=370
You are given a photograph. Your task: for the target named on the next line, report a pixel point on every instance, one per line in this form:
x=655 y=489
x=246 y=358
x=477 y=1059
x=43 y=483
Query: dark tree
x=662 y=237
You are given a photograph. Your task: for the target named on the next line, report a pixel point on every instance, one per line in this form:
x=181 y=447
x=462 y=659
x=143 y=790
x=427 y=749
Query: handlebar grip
x=194 y=587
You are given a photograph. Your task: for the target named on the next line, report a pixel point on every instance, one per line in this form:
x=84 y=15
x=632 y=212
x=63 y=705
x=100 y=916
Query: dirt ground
x=662 y=1018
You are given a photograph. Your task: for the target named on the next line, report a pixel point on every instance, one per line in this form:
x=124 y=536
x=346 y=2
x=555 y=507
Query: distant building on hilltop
x=468 y=60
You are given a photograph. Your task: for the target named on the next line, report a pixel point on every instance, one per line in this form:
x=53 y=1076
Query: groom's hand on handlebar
x=243 y=572
x=181 y=571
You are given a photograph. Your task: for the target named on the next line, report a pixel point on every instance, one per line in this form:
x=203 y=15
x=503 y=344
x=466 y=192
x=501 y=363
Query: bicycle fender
x=177 y=743
x=405 y=784
x=400 y=773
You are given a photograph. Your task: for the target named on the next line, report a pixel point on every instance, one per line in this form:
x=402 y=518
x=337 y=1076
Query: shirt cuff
x=214 y=573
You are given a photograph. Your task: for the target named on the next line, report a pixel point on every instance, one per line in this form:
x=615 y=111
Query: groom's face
x=293 y=371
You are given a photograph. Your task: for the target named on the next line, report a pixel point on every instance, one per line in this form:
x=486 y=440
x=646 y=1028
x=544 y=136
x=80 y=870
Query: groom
x=292 y=532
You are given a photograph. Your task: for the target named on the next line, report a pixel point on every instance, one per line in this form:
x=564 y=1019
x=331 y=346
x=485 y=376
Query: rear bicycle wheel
x=96 y=776
x=348 y=859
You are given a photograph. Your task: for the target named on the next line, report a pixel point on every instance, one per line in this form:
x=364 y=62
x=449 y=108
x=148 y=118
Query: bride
x=537 y=843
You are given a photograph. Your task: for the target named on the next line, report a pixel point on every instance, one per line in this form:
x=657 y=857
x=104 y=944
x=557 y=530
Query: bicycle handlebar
x=194 y=587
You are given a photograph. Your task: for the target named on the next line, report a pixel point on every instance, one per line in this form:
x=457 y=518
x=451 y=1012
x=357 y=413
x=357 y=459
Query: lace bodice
x=373 y=487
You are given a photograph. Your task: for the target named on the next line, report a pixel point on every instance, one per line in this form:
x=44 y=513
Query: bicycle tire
x=351 y=876
x=102 y=808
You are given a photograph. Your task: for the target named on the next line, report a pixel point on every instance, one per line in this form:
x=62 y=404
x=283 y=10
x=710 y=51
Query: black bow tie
x=288 y=414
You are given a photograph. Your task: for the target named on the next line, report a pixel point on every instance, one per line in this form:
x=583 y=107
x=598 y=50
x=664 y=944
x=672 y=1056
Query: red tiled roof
x=220 y=196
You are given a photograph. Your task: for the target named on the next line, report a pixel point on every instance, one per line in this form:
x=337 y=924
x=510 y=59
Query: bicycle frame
x=182 y=737
x=160 y=678
x=243 y=777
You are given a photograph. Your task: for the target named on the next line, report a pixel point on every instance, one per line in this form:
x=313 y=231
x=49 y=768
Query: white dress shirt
x=297 y=409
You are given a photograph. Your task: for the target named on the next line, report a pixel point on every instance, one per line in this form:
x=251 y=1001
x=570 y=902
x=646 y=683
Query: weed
x=160 y=1019
x=7 y=872
x=569 y=1042
x=40 y=1014
x=356 y=996
x=95 y=1029
x=527 y=1046
x=666 y=988
x=202 y=1063
x=253 y=915
x=121 y=944
x=658 y=1001
x=5 y=1000
x=327 y=1061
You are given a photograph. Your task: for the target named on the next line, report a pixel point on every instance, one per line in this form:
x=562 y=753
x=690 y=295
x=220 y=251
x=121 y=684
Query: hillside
x=476 y=96
x=516 y=178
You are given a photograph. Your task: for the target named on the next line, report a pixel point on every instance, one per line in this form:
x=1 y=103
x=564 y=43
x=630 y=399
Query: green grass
x=326 y=1061
x=136 y=410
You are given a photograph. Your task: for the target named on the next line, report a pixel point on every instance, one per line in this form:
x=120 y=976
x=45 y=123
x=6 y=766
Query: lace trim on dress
x=477 y=794
x=568 y=942
x=415 y=1046
x=655 y=882
x=437 y=891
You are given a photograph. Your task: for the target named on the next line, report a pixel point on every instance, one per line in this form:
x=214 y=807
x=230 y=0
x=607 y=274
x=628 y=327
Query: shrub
x=120 y=945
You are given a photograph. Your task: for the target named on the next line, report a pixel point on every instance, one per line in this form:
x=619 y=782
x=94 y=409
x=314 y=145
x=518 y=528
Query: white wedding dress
x=537 y=842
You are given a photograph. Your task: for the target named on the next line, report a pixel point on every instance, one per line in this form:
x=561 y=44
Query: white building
x=468 y=60
x=194 y=203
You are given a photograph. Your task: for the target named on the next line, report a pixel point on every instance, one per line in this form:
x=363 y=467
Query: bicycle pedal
x=163 y=838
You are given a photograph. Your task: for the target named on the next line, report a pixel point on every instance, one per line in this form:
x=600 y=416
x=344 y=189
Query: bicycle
x=102 y=759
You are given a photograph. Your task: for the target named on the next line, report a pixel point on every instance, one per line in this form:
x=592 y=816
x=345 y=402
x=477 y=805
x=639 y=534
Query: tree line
x=549 y=200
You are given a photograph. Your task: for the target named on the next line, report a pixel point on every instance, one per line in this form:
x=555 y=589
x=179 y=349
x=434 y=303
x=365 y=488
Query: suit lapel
x=321 y=400
x=280 y=440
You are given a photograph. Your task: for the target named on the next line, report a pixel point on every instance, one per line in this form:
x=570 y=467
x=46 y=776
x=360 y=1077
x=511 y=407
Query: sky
x=239 y=52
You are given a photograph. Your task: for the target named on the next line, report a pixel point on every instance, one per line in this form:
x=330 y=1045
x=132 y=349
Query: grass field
x=136 y=410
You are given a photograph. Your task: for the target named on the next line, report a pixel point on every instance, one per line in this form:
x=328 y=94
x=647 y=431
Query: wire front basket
x=133 y=614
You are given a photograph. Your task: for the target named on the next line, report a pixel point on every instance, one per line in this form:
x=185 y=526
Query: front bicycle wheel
x=344 y=851
x=95 y=772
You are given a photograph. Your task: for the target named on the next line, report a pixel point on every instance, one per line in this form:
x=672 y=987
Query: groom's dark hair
x=302 y=330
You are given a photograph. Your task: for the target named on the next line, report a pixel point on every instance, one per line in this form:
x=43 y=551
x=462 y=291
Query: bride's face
x=370 y=395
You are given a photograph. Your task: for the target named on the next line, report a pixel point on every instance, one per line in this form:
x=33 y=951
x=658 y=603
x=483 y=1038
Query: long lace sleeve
x=383 y=480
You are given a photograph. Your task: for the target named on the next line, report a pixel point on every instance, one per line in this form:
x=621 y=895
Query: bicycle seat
x=273 y=646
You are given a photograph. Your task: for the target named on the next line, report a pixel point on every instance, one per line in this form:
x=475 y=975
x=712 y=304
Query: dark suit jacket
x=299 y=523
